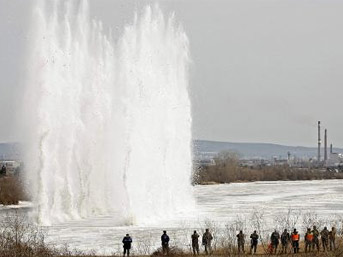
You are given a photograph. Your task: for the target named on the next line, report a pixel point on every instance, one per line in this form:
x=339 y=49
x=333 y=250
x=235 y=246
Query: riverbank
x=213 y=183
x=39 y=249
x=229 y=171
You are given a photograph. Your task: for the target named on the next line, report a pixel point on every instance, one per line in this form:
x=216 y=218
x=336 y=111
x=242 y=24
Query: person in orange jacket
x=308 y=240
x=295 y=237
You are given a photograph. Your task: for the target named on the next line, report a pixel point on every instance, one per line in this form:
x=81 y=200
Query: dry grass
x=19 y=238
x=11 y=190
x=263 y=251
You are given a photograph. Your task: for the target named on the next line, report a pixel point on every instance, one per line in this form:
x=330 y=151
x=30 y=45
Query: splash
x=109 y=123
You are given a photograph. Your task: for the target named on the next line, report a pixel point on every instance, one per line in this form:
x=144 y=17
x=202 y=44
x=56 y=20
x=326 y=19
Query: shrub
x=11 y=190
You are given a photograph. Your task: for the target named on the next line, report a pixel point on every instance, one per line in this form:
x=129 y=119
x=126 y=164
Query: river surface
x=220 y=207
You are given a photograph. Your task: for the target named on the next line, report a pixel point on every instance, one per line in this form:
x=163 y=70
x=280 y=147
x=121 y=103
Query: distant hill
x=204 y=149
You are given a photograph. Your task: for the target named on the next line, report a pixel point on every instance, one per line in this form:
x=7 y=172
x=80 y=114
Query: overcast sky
x=262 y=71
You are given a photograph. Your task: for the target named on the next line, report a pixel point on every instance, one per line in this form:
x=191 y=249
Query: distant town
x=257 y=155
x=333 y=162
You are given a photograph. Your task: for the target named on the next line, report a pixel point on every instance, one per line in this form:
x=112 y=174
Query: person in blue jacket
x=165 y=243
x=127 y=241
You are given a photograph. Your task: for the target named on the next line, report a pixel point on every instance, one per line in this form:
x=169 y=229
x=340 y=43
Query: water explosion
x=109 y=122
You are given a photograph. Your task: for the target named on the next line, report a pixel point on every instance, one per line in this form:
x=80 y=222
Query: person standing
x=308 y=240
x=165 y=243
x=240 y=241
x=3 y=170
x=206 y=241
x=127 y=241
x=274 y=238
x=295 y=241
x=254 y=242
x=332 y=239
x=285 y=239
x=324 y=234
x=315 y=241
x=195 y=243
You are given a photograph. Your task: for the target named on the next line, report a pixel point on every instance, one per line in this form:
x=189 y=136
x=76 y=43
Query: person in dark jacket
x=195 y=243
x=254 y=242
x=206 y=241
x=165 y=243
x=127 y=241
x=274 y=238
x=285 y=239
x=315 y=241
x=240 y=241
x=325 y=238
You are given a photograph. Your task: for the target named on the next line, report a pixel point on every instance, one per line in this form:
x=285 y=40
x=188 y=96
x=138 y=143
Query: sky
x=261 y=71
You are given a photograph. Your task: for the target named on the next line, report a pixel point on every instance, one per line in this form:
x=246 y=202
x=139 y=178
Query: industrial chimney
x=326 y=145
x=319 y=142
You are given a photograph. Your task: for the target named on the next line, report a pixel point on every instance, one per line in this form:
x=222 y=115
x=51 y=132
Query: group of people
x=311 y=240
x=253 y=241
x=286 y=239
x=206 y=242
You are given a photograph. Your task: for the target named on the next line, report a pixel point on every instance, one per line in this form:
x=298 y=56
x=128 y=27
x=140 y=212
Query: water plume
x=108 y=123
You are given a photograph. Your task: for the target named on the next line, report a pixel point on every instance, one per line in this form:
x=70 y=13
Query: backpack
x=165 y=239
x=204 y=240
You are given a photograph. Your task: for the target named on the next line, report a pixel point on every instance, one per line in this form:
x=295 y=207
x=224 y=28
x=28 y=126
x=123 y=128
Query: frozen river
x=219 y=206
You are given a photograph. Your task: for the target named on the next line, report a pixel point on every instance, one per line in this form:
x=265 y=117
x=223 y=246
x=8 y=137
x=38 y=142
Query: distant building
x=254 y=163
x=203 y=162
x=335 y=160
x=280 y=162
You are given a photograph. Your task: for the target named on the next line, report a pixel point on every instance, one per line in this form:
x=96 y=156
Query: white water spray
x=109 y=123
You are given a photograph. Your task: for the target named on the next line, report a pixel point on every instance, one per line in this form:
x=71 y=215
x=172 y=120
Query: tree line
x=227 y=169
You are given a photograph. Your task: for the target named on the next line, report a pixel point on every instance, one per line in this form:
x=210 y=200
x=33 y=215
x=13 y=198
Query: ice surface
x=221 y=204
